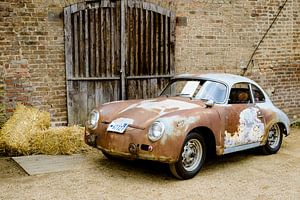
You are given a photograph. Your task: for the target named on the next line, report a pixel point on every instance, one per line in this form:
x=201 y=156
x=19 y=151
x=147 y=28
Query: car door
x=260 y=101
x=244 y=120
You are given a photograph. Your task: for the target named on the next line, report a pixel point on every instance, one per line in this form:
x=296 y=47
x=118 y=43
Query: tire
x=274 y=140
x=192 y=157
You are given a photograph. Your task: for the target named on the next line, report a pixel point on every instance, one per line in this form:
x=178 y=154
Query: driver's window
x=240 y=94
x=212 y=91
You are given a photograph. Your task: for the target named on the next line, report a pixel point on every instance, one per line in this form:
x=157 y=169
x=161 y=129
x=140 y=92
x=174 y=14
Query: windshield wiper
x=183 y=95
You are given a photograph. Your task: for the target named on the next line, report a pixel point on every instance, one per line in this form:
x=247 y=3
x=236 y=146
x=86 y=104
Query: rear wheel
x=191 y=158
x=274 y=140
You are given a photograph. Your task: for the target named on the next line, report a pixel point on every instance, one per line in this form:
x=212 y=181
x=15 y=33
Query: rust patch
x=250 y=129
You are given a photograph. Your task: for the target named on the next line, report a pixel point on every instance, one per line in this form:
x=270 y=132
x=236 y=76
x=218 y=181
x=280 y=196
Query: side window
x=212 y=91
x=240 y=94
x=258 y=95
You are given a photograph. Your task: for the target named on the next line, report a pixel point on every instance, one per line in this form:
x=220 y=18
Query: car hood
x=142 y=113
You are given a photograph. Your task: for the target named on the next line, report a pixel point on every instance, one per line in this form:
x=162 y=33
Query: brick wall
x=32 y=56
x=211 y=35
x=221 y=35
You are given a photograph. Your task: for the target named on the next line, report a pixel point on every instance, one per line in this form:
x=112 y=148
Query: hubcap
x=274 y=136
x=192 y=154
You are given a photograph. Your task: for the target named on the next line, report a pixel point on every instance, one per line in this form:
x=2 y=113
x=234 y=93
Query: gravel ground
x=244 y=175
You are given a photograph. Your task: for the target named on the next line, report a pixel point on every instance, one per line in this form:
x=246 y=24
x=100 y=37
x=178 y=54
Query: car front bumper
x=133 y=144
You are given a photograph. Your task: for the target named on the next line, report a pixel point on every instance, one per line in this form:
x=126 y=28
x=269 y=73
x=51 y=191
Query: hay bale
x=18 y=131
x=59 y=140
x=27 y=132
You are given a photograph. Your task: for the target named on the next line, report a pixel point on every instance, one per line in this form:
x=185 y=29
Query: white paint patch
x=251 y=129
x=175 y=125
x=162 y=106
x=280 y=115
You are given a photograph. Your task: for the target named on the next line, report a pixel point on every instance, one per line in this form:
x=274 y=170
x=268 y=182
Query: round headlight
x=156 y=131
x=93 y=119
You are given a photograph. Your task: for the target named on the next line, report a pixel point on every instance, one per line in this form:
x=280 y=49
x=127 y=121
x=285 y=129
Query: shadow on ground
x=10 y=168
x=144 y=168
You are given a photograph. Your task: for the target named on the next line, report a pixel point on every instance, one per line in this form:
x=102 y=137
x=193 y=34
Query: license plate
x=118 y=127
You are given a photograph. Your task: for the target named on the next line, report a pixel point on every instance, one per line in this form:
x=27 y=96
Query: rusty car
x=194 y=115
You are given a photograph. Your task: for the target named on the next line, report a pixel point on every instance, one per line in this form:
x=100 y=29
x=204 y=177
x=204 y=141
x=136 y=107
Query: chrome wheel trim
x=274 y=136
x=192 y=155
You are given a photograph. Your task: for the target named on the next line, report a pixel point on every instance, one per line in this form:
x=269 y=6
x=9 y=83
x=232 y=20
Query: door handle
x=260 y=115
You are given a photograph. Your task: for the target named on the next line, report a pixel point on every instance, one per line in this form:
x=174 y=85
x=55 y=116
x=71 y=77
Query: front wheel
x=191 y=158
x=274 y=140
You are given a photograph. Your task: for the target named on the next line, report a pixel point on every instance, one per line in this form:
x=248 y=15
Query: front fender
x=178 y=126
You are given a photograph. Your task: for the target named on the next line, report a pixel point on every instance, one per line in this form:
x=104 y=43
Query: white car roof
x=229 y=79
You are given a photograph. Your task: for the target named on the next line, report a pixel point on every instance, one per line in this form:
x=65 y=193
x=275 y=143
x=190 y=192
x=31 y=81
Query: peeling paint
x=280 y=116
x=175 y=126
x=162 y=107
x=250 y=130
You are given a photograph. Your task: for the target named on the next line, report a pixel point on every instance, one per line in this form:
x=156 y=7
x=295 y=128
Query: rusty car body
x=195 y=114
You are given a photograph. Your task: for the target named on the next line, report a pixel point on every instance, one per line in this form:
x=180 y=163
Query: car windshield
x=197 y=89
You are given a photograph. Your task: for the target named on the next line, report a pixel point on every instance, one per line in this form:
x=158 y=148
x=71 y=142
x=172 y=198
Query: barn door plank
x=172 y=23
x=112 y=40
x=123 y=48
x=82 y=103
x=136 y=43
x=86 y=67
x=108 y=42
x=76 y=49
x=81 y=44
x=117 y=39
x=92 y=43
x=91 y=96
x=130 y=51
x=146 y=43
x=151 y=39
x=102 y=38
x=166 y=43
x=97 y=43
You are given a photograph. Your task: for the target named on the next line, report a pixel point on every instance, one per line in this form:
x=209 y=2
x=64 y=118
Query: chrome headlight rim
x=150 y=133
x=93 y=119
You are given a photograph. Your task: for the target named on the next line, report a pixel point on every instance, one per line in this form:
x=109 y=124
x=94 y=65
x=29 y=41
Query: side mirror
x=210 y=103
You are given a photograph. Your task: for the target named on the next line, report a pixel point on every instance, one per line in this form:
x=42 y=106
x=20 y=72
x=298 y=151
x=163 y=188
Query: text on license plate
x=118 y=127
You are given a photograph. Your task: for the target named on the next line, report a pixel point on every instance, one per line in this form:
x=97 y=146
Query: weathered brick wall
x=212 y=35
x=221 y=35
x=277 y=62
x=32 y=56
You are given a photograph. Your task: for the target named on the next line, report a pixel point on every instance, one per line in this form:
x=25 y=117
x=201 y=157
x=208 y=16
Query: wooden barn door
x=115 y=50
x=150 y=38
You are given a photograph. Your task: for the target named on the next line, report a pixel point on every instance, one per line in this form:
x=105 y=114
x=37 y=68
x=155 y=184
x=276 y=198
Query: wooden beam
x=149 y=77
x=123 y=48
x=68 y=56
x=93 y=78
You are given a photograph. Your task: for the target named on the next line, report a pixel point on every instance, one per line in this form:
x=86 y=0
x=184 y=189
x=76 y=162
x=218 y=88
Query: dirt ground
x=244 y=175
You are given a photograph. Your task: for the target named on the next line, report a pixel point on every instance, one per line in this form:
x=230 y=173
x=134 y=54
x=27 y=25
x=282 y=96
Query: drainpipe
x=251 y=58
